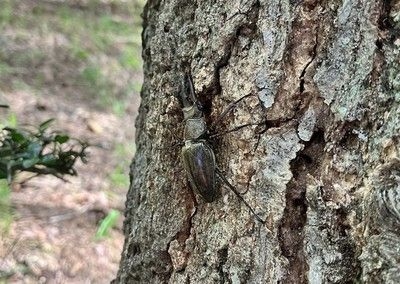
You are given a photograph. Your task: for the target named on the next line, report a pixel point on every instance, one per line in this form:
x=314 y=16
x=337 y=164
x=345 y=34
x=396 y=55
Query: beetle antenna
x=215 y=134
x=228 y=109
x=231 y=187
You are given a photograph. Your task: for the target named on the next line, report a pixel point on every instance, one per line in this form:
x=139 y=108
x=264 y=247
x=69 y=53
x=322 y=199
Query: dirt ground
x=77 y=62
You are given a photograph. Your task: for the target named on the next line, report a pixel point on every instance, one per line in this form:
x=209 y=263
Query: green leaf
x=49 y=160
x=44 y=125
x=34 y=149
x=29 y=163
x=107 y=223
x=3 y=174
x=5 y=151
x=61 y=138
x=17 y=137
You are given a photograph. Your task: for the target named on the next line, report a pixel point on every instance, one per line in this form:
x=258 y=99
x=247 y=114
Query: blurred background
x=79 y=62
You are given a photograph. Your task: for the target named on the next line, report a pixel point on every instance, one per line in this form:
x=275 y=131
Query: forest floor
x=79 y=62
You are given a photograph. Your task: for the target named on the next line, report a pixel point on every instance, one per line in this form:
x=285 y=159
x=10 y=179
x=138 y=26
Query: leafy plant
x=39 y=151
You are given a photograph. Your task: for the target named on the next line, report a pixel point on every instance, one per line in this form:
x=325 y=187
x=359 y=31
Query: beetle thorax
x=195 y=128
x=191 y=112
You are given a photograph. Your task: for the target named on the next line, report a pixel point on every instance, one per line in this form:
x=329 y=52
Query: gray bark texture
x=323 y=169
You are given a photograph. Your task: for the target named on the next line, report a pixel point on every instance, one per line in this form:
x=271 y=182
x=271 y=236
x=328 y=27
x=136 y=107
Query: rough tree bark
x=325 y=170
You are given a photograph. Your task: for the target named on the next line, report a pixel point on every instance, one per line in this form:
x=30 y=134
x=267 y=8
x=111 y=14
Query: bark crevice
x=291 y=229
x=223 y=258
x=313 y=56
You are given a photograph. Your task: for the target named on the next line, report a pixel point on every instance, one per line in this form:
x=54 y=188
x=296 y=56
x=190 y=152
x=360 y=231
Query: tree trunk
x=323 y=170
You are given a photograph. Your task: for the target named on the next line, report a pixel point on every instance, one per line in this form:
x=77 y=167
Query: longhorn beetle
x=197 y=155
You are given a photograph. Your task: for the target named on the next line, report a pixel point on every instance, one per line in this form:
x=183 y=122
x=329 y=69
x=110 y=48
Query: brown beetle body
x=197 y=156
x=199 y=161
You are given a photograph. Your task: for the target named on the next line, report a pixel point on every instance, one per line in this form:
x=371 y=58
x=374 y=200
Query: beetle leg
x=231 y=187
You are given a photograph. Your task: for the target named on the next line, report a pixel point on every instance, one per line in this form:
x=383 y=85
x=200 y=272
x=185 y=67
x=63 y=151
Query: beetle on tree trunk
x=197 y=156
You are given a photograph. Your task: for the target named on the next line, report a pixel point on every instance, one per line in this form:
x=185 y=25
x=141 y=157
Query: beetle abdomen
x=199 y=162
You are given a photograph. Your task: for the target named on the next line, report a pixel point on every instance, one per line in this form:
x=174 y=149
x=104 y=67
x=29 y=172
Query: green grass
x=88 y=44
x=97 y=33
x=130 y=59
x=6 y=215
x=137 y=87
x=119 y=107
x=107 y=224
x=6 y=11
x=92 y=75
x=119 y=176
x=5 y=69
x=9 y=121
